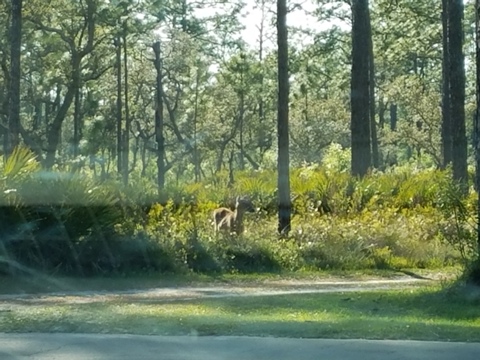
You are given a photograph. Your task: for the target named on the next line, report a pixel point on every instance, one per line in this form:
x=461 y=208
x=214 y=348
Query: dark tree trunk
x=393 y=117
x=231 y=177
x=118 y=66
x=196 y=157
x=381 y=114
x=126 y=143
x=476 y=129
x=261 y=110
x=284 y=201
x=241 y=112
x=360 y=117
x=12 y=135
x=447 y=141
x=457 y=91
x=159 y=119
x=371 y=87
x=76 y=122
x=55 y=128
x=221 y=154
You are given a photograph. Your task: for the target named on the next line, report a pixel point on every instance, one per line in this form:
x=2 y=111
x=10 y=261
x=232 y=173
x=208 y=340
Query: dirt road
x=178 y=293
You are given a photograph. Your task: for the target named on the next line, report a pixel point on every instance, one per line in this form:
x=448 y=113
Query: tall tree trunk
x=159 y=119
x=196 y=158
x=381 y=113
x=457 y=91
x=447 y=141
x=393 y=117
x=477 y=129
x=126 y=144
x=241 y=112
x=360 y=115
x=118 y=66
x=221 y=154
x=12 y=135
x=55 y=129
x=76 y=122
x=284 y=202
x=261 y=110
x=240 y=132
x=371 y=87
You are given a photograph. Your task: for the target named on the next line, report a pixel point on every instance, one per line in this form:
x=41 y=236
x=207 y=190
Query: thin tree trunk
x=118 y=64
x=76 y=123
x=284 y=201
x=126 y=144
x=360 y=117
x=381 y=114
x=261 y=110
x=218 y=167
x=447 y=142
x=135 y=152
x=144 y=158
x=393 y=117
x=242 y=113
x=159 y=120
x=231 y=178
x=196 y=158
x=12 y=139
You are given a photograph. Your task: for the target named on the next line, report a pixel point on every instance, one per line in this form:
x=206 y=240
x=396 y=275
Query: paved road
x=126 y=347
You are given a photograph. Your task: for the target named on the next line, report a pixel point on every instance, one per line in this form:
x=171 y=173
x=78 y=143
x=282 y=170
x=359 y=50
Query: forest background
x=125 y=123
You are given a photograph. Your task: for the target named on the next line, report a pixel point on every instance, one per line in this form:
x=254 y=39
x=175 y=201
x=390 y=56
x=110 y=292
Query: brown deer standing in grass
x=232 y=221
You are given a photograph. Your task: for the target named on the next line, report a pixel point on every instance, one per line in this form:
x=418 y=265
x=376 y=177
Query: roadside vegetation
x=65 y=222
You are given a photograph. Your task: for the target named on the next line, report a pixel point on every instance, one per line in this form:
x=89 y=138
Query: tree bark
x=393 y=117
x=371 y=88
x=76 y=122
x=196 y=157
x=360 y=116
x=284 y=201
x=118 y=66
x=55 y=128
x=476 y=124
x=447 y=142
x=12 y=135
x=159 y=120
x=126 y=144
x=261 y=110
x=457 y=91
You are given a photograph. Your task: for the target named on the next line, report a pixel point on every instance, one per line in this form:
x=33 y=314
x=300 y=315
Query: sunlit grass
x=422 y=314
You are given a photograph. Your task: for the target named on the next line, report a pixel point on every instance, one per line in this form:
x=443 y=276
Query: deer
x=232 y=220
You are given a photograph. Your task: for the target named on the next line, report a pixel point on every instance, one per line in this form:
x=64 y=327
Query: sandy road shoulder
x=165 y=294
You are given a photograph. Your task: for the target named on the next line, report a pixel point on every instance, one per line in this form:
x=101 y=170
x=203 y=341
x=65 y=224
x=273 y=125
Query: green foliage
x=398 y=219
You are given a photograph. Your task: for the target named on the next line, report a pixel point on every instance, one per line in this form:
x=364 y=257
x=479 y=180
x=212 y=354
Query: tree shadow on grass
x=444 y=304
x=111 y=319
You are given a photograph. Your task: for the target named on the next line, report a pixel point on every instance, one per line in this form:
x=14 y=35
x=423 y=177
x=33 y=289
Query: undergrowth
x=71 y=223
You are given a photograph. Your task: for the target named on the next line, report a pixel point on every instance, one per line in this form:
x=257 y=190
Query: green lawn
x=430 y=313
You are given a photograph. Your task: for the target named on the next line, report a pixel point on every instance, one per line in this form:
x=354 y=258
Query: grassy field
x=422 y=313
